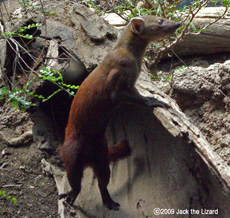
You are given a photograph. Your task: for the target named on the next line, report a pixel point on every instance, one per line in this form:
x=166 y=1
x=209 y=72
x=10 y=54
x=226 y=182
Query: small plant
x=21 y=30
x=8 y=197
x=55 y=77
x=28 y=4
x=18 y=97
x=179 y=68
x=164 y=78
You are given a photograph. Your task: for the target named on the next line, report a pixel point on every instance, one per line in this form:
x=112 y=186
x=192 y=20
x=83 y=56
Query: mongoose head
x=153 y=28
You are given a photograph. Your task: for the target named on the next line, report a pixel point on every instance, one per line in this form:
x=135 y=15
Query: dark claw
x=61 y=196
x=70 y=197
x=112 y=205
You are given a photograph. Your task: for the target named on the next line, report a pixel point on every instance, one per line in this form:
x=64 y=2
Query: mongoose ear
x=137 y=25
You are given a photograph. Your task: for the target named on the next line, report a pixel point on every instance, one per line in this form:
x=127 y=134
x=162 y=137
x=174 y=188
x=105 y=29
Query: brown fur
x=109 y=85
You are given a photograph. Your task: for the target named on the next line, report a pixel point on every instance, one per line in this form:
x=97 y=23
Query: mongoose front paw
x=153 y=102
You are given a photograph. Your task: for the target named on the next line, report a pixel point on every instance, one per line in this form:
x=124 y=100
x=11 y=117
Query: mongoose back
x=109 y=85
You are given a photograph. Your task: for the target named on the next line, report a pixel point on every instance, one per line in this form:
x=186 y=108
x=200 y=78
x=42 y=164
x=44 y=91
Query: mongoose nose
x=178 y=24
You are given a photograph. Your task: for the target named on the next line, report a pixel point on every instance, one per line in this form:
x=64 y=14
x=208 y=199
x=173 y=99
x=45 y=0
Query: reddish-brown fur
x=109 y=85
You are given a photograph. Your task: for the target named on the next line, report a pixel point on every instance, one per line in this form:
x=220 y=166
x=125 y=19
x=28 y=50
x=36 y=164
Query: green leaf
x=51 y=95
x=74 y=87
x=14 y=200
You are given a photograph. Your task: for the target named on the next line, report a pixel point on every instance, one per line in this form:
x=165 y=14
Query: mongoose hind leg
x=102 y=171
x=74 y=172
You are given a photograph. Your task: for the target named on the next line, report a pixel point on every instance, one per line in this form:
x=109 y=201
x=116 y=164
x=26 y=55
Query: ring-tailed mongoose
x=109 y=85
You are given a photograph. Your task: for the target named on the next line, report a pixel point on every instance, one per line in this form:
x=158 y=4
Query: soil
x=21 y=172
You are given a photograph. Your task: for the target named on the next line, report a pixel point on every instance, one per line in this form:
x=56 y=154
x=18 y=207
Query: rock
x=114 y=19
x=43 y=135
x=204 y=95
x=201 y=82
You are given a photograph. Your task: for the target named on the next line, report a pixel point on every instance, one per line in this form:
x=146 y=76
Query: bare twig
x=189 y=18
x=149 y=4
x=114 y=11
x=211 y=23
x=11 y=186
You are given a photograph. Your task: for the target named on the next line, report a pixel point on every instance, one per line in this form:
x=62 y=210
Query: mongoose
x=109 y=85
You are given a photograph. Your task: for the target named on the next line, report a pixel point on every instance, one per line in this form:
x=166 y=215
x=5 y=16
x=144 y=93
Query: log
x=216 y=39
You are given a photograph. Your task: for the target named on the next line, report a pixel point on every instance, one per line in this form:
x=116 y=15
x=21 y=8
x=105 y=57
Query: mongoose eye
x=160 y=21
